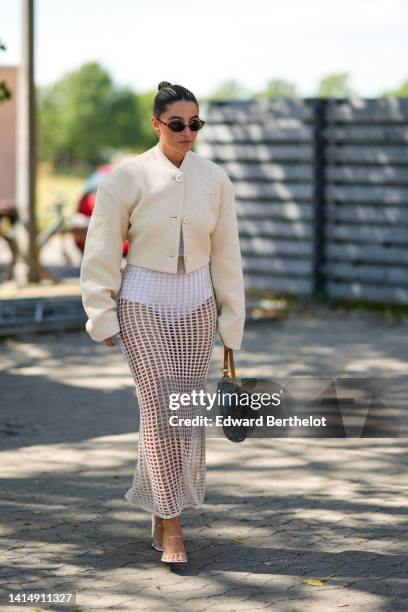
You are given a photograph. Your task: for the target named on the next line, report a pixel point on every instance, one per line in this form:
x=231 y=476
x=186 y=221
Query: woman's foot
x=173 y=546
x=157 y=535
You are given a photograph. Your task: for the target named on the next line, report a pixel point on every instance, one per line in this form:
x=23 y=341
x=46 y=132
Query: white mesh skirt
x=167 y=334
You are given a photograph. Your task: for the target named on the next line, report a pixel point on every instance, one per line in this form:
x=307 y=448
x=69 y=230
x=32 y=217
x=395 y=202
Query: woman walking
x=182 y=283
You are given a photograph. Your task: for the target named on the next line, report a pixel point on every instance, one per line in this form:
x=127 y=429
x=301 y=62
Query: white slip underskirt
x=182 y=292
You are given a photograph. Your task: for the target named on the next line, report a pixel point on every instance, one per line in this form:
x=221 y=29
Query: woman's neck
x=173 y=156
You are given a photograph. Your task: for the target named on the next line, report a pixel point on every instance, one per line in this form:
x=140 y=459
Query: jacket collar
x=167 y=165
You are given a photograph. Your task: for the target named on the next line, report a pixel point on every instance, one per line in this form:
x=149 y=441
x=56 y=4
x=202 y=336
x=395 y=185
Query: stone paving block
x=277 y=511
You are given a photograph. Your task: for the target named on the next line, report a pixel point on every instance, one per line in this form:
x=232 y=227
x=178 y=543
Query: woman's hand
x=109 y=341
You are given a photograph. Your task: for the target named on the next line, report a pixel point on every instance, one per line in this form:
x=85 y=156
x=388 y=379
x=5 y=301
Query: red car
x=80 y=219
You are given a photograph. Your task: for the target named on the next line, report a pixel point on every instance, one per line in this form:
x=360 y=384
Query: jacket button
x=186 y=219
x=179 y=178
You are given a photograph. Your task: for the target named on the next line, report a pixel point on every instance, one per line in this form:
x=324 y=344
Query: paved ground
x=277 y=512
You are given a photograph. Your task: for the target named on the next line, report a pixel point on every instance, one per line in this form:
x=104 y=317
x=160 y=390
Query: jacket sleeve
x=100 y=276
x=226 y=270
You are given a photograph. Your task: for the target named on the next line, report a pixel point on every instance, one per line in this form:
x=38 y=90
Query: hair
x=169 y=93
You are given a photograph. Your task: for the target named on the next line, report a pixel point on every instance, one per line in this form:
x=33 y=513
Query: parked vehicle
x=80 y=219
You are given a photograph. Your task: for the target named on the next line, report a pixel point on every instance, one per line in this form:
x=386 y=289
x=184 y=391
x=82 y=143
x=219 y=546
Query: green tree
x=230 y=90
x=335 y=86
x=5 y=93
x=123 y=110
x=83 y=116
x=278 y=88
x=148 y=136
x=401 y=91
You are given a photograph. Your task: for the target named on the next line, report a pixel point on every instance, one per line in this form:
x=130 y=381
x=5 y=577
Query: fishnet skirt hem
x=131 y=497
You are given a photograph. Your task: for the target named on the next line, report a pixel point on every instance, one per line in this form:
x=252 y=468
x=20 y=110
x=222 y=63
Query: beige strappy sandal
x=154 y=525
x=166 y=559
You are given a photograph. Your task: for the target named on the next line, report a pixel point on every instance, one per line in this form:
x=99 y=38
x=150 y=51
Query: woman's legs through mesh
x=167 y=353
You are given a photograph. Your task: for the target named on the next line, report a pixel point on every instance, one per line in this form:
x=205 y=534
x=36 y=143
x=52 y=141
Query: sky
x=202 y=44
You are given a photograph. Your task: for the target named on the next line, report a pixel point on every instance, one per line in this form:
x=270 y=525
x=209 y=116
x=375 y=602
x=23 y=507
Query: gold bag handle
x=229 y=354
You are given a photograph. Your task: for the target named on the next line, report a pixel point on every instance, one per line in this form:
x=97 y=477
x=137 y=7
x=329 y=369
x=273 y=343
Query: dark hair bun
x=171 y=93
x=163 y=84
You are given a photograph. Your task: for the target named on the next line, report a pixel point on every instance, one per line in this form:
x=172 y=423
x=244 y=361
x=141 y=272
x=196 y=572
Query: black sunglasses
x=176 y=125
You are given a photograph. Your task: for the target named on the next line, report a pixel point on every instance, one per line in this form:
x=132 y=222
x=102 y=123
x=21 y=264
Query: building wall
x=8 y=135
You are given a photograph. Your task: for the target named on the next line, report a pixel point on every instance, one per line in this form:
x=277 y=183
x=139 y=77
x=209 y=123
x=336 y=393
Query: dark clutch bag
x=229 y=405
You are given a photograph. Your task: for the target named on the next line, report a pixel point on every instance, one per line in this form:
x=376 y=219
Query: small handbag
x=230 y=406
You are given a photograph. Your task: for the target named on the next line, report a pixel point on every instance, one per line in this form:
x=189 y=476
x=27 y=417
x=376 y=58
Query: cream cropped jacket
x=145 y=200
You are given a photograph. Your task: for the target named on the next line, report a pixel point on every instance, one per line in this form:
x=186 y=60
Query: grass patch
x=53 y=188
